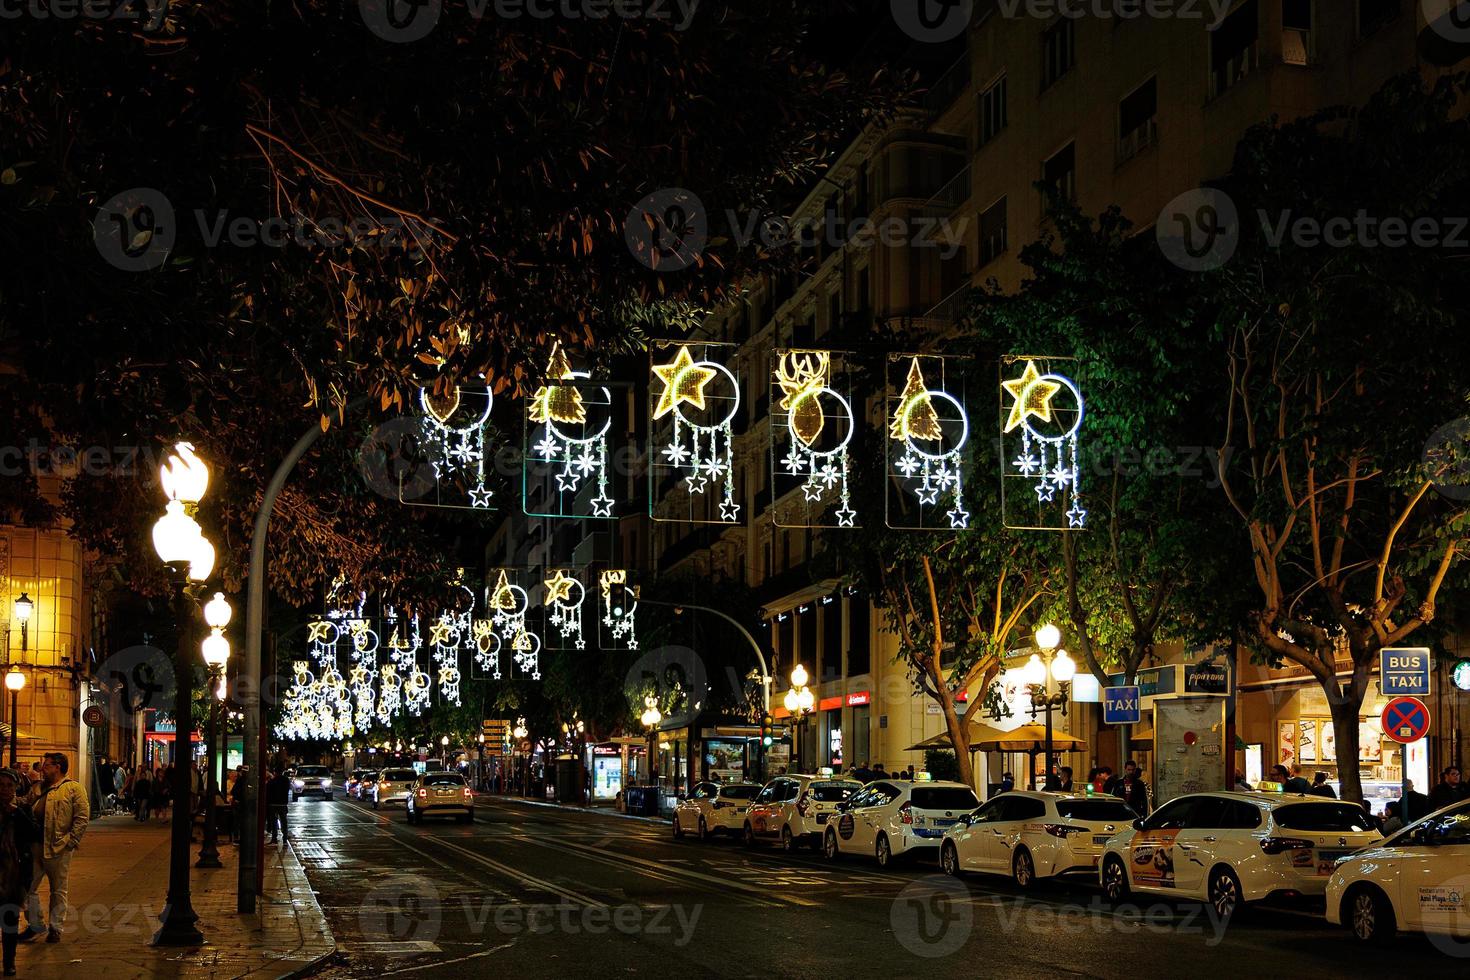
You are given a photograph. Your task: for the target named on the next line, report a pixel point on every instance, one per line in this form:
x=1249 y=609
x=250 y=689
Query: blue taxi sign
x=1405 y=672
x=1120 y=706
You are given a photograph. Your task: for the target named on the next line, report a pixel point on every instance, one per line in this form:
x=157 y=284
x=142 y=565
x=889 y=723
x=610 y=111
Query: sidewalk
x=119 y=879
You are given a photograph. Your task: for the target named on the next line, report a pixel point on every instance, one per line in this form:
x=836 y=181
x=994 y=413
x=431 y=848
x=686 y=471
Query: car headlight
x=297 y=783
x=326 y=784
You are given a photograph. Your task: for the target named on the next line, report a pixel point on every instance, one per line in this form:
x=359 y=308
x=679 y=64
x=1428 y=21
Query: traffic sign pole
x=1405 y=720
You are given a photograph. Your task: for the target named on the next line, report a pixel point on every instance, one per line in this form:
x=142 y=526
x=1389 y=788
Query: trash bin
x=641 y=801
x=568 y=781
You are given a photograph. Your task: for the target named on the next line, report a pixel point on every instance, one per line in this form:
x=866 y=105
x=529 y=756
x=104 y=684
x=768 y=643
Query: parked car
x=1229 y=849
x=889 y=819
x=350 y=784
x=437 y=794
x=713 y=808
x=795 y=808
x=311 y=780
x=392 y=787
x=1415 y=880
x=364 y=789
x=1031 y=835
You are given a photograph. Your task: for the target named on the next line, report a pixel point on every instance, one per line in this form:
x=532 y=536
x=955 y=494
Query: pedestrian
x=142 y=794
x=1393 y=817
x=1007 y=782
x=160 y=791
x=1101 y=779
x=1450 y=790
x=18 y=836
x=879 y=772
x=277 y=795
x=237 y=802
x=1064 y=784
x=1298 y=783
x=1320 y=787
x=1240 y=785
x=1132 y=789
x=61 y=809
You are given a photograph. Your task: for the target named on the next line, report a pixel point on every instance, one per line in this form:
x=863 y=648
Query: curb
x=313 y=965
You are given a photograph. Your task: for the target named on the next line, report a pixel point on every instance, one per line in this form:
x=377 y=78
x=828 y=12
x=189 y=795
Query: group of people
x=148 y=793
x=863 y=774
x=41 y=826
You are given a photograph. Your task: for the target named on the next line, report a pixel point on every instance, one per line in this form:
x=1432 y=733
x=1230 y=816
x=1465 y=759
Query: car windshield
x=399 y=775
x=944 y=798
x=444 y=779
x=833 y=792
x=1114 y=810
x=739 y=792
x=315 y=771
x=1328 y=817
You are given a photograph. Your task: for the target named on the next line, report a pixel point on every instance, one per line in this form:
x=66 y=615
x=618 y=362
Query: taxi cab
x=888 y=818
x=1228 y=849
x=713 y=808
x=392 y=787
x=438 y=793
x=1418 y=880
x=1031 y=835
x=794 y=809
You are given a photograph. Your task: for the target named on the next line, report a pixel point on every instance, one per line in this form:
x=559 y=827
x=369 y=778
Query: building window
x=993 y=231
x=1058 y=51
x=1137 y=125
x=1234 y=52
x=858 y=630
x=1059 y=172
x=1296 y=32
x=1373 y=14
x=993 y=111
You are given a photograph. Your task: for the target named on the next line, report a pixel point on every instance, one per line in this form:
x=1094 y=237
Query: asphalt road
x=530 y=891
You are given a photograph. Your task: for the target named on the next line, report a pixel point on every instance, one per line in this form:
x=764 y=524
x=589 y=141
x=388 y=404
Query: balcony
x=949 y=198
x=950 y=86
x=1135 y=142
x=700 y=539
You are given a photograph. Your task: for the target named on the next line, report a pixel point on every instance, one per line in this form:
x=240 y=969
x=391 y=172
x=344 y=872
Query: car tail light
x=423 y=793
x=1062 y=830
x=906 y=813
x=1275 y=845
x=803 y=804
x=469 y=794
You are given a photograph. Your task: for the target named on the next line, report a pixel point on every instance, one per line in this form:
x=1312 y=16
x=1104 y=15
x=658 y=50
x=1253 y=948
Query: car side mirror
x=1138 y=824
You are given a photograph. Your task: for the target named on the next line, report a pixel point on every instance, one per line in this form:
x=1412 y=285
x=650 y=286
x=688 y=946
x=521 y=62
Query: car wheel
x=1023 y=870
x=829 y=846
x=883 y=851
x=788 y=843
x=1224 y=893
x=949 y=859
x=678 y=830
x=1115 y=880
x=747 y=836
x=703 y=830
x=1368 y=912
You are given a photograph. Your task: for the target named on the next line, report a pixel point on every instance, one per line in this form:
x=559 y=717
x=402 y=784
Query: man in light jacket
x=60 y=806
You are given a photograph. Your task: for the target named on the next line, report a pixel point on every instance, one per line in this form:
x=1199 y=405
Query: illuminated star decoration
x=619 y=602
x=568 y=443
x=1047 y=455
x=925 y=458
x=444 y=638
x=804 y=379
x=701 y=452
x=564 y=597
x=452 y=435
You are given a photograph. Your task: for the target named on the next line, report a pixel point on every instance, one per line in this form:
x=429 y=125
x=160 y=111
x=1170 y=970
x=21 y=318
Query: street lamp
x=800 y=702
x=520 y=732
x=181 y=546
x=1044 y=667
x=14 y=681
x=216 y=652
x=651 y=717
x=23 y=609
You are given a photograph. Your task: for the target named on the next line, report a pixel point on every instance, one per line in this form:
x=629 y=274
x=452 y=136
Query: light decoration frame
x=509 y=604
x=701 y=398
x=812 y=428
x=1041 y=417
x=452 y=434
x=928 y=442
x=618 y=610
x=564 y=597
x=568 y=441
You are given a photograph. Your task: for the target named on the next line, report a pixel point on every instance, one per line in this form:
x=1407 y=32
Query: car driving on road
x=311 y=780
x=392 y=787
x=1031 y=835
x=712 y=808
x=436 y=794
x=889 y=819
x=1228 y=849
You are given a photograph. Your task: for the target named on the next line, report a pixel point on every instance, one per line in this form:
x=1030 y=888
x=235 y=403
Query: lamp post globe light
x=651 y=717
x=15 y=681
x=216 y=652
x=1051 y=664
x=181 y=545
x=800 y=702
x=23 y=609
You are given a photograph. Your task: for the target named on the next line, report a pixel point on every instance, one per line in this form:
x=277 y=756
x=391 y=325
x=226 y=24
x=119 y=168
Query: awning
x=1027 y=738
x=5 y=732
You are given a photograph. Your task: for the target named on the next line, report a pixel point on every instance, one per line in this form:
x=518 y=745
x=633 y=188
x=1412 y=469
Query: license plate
x=1327 y=860
x=822 y=817
x=942 y=823
x=1100 y=838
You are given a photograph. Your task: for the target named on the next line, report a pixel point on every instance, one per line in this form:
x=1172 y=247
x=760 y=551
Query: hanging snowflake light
x=702 y=398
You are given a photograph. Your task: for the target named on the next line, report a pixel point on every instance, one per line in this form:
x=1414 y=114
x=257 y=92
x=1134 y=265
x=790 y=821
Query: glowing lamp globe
x=176 y=535
x=14 y=679
x=1034 y=672
x=1063 y=667
x=1048 y=637
x=799 y=676
x=793 y=700
x=217 y=611
x=23 y=608
x=184 y=476
x=806 y=700
x=216 y=650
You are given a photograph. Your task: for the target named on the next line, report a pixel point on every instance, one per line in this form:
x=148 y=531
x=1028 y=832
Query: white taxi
x=712 y=808
x=1418 y=879
x=1031 y=835
x=1231 y=848
x=794 y=809
x=393 y=787
x=890 y=818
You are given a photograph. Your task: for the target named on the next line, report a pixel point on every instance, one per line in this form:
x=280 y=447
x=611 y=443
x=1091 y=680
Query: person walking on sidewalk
x=277 y=795
x=61 y=809
x=142 y=794
x=18 y=835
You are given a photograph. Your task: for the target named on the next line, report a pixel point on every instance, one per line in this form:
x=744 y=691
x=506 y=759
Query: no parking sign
x=1406 y=720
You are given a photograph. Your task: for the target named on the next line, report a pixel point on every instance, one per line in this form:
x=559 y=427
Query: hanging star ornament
x=684 y=383
x=559 y=587
x=1032 y=394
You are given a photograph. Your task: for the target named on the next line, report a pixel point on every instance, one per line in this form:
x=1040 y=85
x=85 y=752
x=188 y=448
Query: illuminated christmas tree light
x=935 y=418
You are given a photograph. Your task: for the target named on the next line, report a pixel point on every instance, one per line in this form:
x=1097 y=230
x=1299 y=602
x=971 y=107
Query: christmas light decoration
x=567 y=444
x=563 y=601
x=928 y=436
x=619 y=607
x=811 y=440
x=700 y=398
x=1042 y=415
x=509 y=604
x=452 y=435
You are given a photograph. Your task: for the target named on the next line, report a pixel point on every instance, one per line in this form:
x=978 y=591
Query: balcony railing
x=951 y=85
x=951 y=196
x=1140 y=139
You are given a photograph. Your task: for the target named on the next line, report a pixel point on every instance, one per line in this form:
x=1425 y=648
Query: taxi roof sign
x=824 y=771
x=923 y=777
x=1270 y=787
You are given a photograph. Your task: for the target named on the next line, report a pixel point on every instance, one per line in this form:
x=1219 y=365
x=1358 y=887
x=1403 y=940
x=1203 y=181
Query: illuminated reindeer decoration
x=804 y=378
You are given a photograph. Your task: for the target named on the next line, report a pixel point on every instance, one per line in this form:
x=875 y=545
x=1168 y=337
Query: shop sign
x=1151 y=681
x=860 y=697
x=830 y=704
x=1207 y=678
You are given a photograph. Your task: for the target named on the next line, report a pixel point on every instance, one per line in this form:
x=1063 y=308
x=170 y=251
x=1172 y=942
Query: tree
x=1338 y=373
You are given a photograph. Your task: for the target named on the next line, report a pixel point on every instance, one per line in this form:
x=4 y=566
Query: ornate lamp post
x=651 y=717
x=23 y=609
x=181 y=546
x=801 y=702
x=520 y=732
x=1044 y=667
x=15 y=681
x=216 y=651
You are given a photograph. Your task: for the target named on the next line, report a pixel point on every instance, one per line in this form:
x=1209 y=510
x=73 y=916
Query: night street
x=470 y=896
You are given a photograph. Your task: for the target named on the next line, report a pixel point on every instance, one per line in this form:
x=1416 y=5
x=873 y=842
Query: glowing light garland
x=564 y=598
x=452 y=434
x=1046 y=456
x=619 y=608
x=701 y=447
x=817 y=441
x=927 y=433
x=564 y=439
